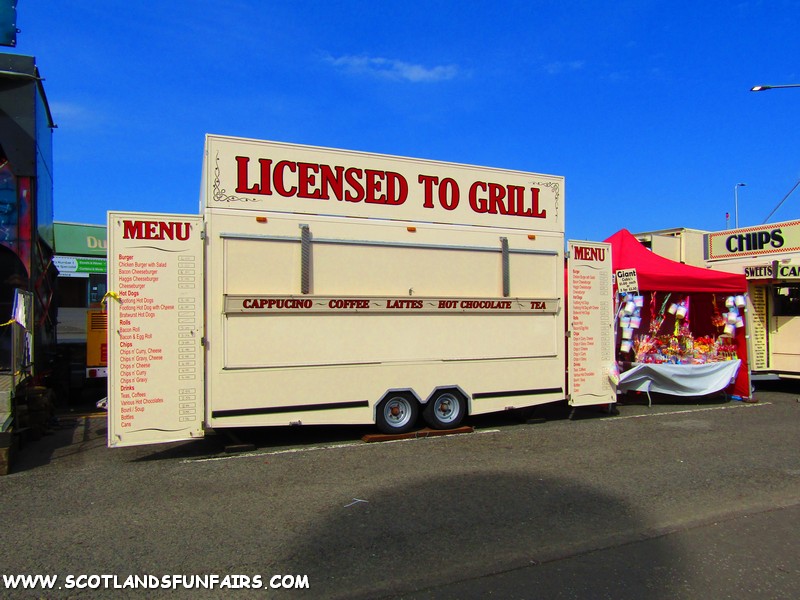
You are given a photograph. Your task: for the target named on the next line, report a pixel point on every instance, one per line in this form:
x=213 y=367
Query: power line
x=797 y=183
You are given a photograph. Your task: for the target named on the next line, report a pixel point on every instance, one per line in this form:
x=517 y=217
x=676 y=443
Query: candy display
x=668 y=336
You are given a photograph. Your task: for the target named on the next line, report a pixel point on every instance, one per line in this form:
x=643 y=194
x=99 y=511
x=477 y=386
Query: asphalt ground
x=684 y=499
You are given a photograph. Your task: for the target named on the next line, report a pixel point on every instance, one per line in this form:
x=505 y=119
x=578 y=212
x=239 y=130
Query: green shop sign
x=79 y=266
x=81 y=240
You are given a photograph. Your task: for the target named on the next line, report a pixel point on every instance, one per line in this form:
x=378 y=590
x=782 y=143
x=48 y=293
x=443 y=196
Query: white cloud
x=554 y=68
x=76 y=116
x=393 y=69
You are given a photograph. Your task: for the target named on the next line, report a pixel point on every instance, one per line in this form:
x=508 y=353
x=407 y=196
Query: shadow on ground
x=72 y=433
x=640 y=398
x=64 y=436
x=224 y=441
x=788 y=386
x=446 y=537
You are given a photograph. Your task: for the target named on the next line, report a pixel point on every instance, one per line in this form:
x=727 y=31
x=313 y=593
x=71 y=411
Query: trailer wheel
x=446 y=410
x=397 y=413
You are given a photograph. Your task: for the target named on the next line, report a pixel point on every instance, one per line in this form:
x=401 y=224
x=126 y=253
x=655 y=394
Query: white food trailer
x=769 y=256
x=323 y=286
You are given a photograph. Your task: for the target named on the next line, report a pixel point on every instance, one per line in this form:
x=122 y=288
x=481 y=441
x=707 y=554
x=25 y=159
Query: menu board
x=759 y=328
x=591 y=324
x=155 y=305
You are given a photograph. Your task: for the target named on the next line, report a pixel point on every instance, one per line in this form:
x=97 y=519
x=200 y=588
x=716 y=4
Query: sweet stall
x=680 y=330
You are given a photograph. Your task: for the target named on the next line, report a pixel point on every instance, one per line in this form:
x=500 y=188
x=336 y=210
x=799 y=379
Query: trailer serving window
x=786 y=299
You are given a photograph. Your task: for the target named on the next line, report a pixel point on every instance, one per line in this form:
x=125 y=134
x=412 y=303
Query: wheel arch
x=394 y=391
x=450 y=388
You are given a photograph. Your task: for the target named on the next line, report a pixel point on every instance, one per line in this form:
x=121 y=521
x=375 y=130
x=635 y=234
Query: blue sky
x=643 y=106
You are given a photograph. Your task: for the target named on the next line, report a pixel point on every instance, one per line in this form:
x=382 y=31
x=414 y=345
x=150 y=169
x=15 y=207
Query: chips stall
x=769 y=257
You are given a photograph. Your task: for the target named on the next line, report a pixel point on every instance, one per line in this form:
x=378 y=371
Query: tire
x=397 y=413
x=445 y=410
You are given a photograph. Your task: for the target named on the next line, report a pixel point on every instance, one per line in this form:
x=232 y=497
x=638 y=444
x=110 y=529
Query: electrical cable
x=797 y=183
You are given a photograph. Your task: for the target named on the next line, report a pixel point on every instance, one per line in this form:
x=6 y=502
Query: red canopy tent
x=658 y=274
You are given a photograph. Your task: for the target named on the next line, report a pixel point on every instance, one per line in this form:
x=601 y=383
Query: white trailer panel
x=388 y=309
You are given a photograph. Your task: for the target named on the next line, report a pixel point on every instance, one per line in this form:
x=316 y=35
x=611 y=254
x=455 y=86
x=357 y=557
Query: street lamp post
x=761 y=88
x=736 y=203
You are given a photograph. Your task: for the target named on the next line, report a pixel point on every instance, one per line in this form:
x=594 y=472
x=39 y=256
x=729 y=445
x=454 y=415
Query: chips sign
x=627 y=281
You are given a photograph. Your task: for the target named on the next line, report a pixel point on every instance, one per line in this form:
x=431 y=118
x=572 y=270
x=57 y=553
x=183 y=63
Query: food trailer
x=769 y=256
x=323 y=286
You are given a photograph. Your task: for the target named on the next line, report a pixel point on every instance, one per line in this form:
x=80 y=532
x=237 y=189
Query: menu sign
x=759 y=328
x=155 y=328
x=591 y=324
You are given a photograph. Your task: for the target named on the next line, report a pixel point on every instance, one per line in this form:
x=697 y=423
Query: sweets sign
x=627 y=282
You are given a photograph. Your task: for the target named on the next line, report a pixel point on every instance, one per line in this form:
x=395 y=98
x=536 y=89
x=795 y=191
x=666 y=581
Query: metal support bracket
x=305 y=259
x=506 y=274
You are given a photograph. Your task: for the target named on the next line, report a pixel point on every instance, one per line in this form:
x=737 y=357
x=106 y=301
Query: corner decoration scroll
x=553 y=185
x=220 y=195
